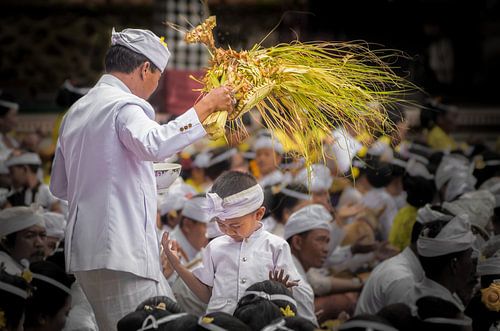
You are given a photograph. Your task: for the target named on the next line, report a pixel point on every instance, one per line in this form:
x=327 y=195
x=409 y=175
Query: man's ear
x=297 y=242
x=144 y=69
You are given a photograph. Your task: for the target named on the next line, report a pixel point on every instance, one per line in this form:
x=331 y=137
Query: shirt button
x=190 y=125
x=182 y=129
x=244 y=259
x=186 y=127
x=243 y=280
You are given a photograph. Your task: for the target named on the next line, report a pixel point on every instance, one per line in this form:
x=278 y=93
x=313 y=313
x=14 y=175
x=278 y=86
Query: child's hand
x=171 y=250
x=277 y=276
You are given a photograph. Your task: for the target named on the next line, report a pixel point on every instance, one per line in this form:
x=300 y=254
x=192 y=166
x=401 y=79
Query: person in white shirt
x=319 y=180
x=268 y=153
x=246 y=254
x=8 y=122
x=22 y=234
x=445 y=253
x=103 y=167
x=26 y=185
x=55 y=225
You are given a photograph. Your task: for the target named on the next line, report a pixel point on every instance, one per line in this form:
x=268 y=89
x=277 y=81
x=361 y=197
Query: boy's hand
x=277 y=276
x=172 y=251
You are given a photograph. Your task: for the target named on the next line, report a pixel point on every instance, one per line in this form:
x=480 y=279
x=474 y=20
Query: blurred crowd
x=395 y=232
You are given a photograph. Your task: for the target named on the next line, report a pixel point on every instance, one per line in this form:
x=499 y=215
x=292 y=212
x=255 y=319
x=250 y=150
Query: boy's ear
x=260 y=213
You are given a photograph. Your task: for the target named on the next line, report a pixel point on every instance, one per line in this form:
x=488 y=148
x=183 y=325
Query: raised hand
x=171 y=250
x=280 y=277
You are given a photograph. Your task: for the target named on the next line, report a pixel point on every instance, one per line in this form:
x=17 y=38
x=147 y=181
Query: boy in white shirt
x=246 y=254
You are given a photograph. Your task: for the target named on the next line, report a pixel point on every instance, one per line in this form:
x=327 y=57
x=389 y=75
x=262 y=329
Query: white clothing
x=273 y=178
x=188 y=301
x=103 y=167
x=178 y=235
x=378 y=198
x=11 y=266
x=230 y=267
x=81 y=316
x=113 y=294
x=320 y=280
x=273 y=226
x=344 y=149
x=350 y=195
x=389 y=281
x=428 y=287
x=42 y=197
x=304 y=283
x=4 y=150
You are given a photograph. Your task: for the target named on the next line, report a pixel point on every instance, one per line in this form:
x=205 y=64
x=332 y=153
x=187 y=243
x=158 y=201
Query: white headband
x=209 y=326
x=450 y=321
x=489 y=266
x=13 y=289
x=367 y=325
x=156 y=322
x=9 y=104
x=52 y=282
x=455 y=236
x=272 y=297
x=280 y=325
x=236 y=205
x=426 y=214
x=295 y=194
x=222 y=157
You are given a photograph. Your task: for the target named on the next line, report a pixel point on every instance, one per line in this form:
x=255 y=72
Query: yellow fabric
x=400 y=234
x=197 y=187
x=440 y=140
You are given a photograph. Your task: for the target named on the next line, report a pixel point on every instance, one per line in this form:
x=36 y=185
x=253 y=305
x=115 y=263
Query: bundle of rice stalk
x=302 y=89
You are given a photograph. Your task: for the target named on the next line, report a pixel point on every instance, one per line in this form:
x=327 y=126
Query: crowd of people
x=397 y=232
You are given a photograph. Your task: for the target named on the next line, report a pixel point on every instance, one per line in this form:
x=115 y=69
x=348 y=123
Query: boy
x=246 y=254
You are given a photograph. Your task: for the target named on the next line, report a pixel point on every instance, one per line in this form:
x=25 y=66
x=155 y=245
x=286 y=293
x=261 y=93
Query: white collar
x=113 y=81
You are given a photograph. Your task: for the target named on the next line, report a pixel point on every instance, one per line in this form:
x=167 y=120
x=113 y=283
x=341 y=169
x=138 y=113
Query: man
x=268 y=153
x=55 y=225
x=8 y=122
x=22 y=234
x=103 y=167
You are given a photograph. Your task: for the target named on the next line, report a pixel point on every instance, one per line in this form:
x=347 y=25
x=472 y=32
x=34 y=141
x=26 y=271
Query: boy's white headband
x=236 y=205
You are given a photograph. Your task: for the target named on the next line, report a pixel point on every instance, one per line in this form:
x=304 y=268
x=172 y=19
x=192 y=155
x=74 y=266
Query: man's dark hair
x=12 y=305
x=281 y=201
x=121 y=59
x=232 y=182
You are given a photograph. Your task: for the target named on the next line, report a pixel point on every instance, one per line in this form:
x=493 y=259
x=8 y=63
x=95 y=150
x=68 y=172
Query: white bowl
x=166 y=173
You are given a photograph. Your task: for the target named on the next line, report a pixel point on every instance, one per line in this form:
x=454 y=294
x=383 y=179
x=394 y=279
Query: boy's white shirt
x=230 y=267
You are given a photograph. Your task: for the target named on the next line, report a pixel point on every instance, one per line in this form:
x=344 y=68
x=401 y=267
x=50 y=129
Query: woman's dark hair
x=47 y=299
x=226 y=321
x=121 y=59
x=12 y=305
x=379 y=174
x=217 y=169
x=162 y=303
x=420 y=191
x=232 y=182
x=256 y=312
x=272 y=287
x=281 y=201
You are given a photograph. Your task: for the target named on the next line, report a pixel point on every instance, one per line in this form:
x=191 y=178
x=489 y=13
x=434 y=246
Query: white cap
x=493 y=185
x=15 y=219
x=55 y=225
x=9 y=104
x=202 y=160
x=310 y=217
x=24 y=159
x=478 y=205
x=268 y=142
x=143 y=42
x=416 y=168
x=193 y=210
x=321 y=178
x=426 y=215
x=456 y=170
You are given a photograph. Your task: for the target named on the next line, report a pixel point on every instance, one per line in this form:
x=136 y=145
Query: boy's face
x=242 y=227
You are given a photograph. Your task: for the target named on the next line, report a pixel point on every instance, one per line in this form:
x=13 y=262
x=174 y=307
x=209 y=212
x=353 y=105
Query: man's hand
x=277 y=276
x=218 y=99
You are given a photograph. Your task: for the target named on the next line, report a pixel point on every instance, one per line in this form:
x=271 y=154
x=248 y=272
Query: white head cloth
x=416 y=168
x=265 y=141
x=426 y=214
x=143 y=42
x=202 y=160
x=209 y=326
x=279 y=325
x=222 y=157
x=236 y=205
x=151 y=323
x=493 y=185
x=477 y=205
x=272 y=297
x=15 y=219
x=455 y=236
x=295 y=194
x=456 y=171
x=52 y=282
x=310 y=217
x=6 y=287
x=367 y=325
x=489 y=263
x=24 y=159
x=321 y=178
x=193 y=209
x=175 y=197
x=213 y=230
x=55 y=225
x=9 y=104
